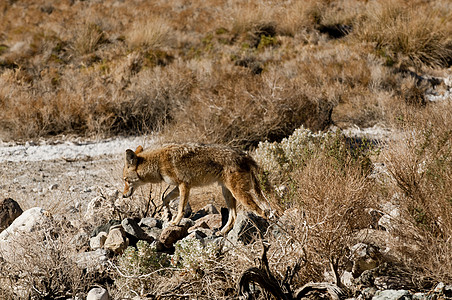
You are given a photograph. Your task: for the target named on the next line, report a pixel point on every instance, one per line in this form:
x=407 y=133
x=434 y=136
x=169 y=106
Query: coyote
x=193 y=165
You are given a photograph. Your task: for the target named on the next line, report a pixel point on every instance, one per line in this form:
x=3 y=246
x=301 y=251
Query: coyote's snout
x=192 y=165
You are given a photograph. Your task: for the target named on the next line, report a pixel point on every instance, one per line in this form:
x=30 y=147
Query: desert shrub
x=324 y=181
x=281 y=159
x=192 y=255
x=83 y=103
x=140 y=268
x=420 y=164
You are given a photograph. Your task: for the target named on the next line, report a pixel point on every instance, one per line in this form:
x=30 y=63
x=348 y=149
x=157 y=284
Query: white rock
x=25 y=223
x=98 y=241
x=98 y=294
x=392 y=295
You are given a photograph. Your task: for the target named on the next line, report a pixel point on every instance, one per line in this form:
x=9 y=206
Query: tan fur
x=192 y=165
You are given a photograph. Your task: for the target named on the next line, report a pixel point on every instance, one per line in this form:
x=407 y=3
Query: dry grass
x=406 y=35
x=420 y=164
x=77 y=71
x=240 y=73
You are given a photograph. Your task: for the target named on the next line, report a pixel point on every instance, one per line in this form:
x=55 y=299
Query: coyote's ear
x=139 y=149
x=131 y=158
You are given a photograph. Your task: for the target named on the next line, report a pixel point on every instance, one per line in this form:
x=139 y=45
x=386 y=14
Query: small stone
x=116 y=240
x=150 y=222
x=53 y=187
x=104 y=227
x=98 y=294
x=209 y=209
x=209 y=221
x=132 y=228
x=439 y=287
x=153 y=232
x=98 y=241
x=247 y=227
x=173 y=233
x=392 y=295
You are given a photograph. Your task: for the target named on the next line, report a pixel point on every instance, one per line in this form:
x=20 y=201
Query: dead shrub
x=239 y=107
x=42 y=266
x=324 y=185
x=421 y=166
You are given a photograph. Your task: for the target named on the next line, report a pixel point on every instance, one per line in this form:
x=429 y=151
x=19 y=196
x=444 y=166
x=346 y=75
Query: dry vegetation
x=243 y=72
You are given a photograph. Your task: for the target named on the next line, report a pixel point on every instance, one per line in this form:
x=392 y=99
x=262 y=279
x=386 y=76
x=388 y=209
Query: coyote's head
x=130 y=175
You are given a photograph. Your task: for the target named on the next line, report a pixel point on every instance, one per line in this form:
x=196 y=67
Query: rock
x=116 y=240
x=98 y=241
x=285 y=222
x=104 y=227
x=364 y=257
x=92 y=260
x=392 y=295
x=153 y=232
x=347 y=279
x=247 y=226
x=29 y=221
x=150 y=222
x=173 y=233
x=98 y=294
x=27 y=228
x=209 y=209
x=9 y=211
x=419 y=296
x=439 y=287
x=209 y=222
x=197 y=234
x=131 y=227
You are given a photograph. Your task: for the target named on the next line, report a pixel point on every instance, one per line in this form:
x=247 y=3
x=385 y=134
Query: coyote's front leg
x=184 y=192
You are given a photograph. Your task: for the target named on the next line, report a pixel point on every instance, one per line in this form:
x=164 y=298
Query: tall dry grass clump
x=88 y=37
x=154 y=32
x=406 y=35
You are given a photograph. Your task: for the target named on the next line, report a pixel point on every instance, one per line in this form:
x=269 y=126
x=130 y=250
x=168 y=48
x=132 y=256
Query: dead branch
x=281 y=289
